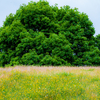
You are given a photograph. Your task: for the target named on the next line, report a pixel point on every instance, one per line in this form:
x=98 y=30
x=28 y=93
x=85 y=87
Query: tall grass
x=52 y=85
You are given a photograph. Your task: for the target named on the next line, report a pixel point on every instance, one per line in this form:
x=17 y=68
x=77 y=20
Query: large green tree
x=40 y=34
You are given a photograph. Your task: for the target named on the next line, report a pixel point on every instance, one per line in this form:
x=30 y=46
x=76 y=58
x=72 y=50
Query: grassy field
x=50 y=83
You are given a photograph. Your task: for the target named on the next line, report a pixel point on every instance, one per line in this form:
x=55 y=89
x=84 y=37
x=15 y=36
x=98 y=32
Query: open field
x=49 y=83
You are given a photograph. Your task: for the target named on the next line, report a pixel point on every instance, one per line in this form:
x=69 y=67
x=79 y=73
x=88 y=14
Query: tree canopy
x=40 y=34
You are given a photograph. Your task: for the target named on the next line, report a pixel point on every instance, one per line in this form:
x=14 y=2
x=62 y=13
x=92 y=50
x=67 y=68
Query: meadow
x=49 y=83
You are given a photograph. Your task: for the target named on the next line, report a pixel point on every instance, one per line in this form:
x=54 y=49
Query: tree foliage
x=40 y=34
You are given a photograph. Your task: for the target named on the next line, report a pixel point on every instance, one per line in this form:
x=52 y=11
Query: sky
x=90 y=7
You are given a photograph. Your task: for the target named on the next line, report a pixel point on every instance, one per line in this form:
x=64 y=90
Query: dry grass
x=50 y=69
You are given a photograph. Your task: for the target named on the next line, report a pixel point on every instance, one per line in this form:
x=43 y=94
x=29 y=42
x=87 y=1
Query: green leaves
x=48 y=60
x=9 y=20
x=30 y=58
x=3 y=59
x=47 y=35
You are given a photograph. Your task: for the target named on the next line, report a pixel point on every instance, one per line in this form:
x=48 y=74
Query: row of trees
x=40 y=34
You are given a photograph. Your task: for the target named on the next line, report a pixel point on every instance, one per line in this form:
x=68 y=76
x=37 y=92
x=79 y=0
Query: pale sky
x=90 y=7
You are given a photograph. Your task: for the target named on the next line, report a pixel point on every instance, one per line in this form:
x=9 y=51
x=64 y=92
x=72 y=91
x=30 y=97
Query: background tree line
x=40 y=34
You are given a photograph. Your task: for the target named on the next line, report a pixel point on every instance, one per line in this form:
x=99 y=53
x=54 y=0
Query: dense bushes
x=40 y=34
